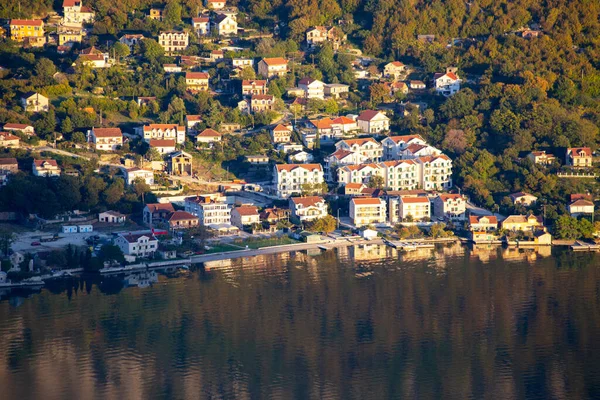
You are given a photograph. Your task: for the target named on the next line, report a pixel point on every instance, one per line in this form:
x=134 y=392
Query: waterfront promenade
x=333 y=243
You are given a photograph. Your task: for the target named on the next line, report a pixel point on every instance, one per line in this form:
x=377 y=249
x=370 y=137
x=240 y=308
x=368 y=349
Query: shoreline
x=326 y=245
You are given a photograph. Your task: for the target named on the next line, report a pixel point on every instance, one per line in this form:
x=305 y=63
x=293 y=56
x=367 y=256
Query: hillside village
x=206 y=133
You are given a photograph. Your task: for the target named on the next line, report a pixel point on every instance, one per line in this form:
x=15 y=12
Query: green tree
x=438 y=230
x=111 y=253
x=44 y=71
x=78 y=137
x=114 y=192
x=140 y=188
x=151 y=50
x=172 y=13
x=66 y=125
x=120 y=50
x=7 y=237
x=376 y=182
x=325 y=224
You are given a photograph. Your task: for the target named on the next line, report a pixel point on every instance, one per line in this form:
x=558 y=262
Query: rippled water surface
x=356 y=323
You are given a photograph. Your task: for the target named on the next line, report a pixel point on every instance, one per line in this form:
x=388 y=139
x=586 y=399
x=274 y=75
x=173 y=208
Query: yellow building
x=20 y=29
x=522 y=223
x=69 y=35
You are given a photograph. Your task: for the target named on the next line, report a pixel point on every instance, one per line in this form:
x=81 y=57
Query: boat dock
x=580 y=245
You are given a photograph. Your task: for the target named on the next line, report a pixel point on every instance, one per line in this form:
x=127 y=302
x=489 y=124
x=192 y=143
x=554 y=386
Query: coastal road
x=281 y=249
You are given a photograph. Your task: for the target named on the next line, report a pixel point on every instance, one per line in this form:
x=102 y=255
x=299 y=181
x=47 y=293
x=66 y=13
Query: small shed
x=310 y=237
x=369 y=234
x=69 y=229
x=86 y=228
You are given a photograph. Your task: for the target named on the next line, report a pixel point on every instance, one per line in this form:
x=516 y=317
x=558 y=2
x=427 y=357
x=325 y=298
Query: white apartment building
x=419 y=208
x=307 y=208
x=436 y=172
x=75 y=13
x=358 y=173
x=137 y=245
x=367 y=210
x=401 y=175
x=340 y=158
x=210 y=211
x=372 y=121
x=173 y=41
x=105 y=138
x=164 y=131
x=273 y=67
x=416 y=150
x=428 y=173
x=313 y=88
x=368 y=147
x=289 y=178
x=393 y=146
x=451 y=206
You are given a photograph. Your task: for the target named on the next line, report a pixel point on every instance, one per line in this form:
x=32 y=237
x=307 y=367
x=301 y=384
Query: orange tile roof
x=362 y=141
x=182 y=216
x=307 y=201
x=414 y=200
x=368 y=201
x=290 y=167
x=254 y=82
x=196 y=75
x=27 y=22
x=343 y=120
x=246 y=210
x=107 y=132
x=275 y=61
x=210 y=133
x=153 y=207
x=353 y=185
x=281 y=128
x=474 y=219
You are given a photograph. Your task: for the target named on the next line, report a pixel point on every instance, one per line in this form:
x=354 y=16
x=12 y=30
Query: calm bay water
x=356 y=323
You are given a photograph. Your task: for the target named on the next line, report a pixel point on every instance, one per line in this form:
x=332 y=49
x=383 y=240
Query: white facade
x=105 y=138
x=308 y=208
x=244 y=215
x=132 y=174
x=452 y=206
x=393 y=146
x=447 y=84
x=164 y=131
x=225 y=25
x=313 y=88
x=370 y=121
x=365 y=211
x=209 y=211
x=368 y=147
x=173 y=41
x=273 y=67
x=289 y=178
x=138 y=245
x=45 y=168
x=419 y=208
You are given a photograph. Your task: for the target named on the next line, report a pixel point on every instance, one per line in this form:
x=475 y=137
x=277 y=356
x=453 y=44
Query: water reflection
x=365 y=322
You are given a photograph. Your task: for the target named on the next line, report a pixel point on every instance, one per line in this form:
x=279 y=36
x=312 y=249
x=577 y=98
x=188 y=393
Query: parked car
x=36 y=244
